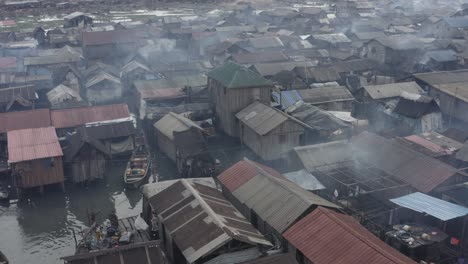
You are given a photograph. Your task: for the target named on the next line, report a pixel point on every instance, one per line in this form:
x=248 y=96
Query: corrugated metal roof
x=151 y=189
x=437 y=208
x=73 y=117
x=457 y=22
x=232 y=75
x=424 y=173
x=258 y=57
x=235 y=257
x=33 y=143
x=27 y=92
x=332 y=38
x=305 y=179
x=124 y=254
x=326 y=94
x=241 y=172
x=273 y=68
x=261 y=118
x=200 y=220
x=324 y=154
x=24 y=119
x=276 y=200
x=173 y=122
x=266 y=42
x=443 y=77
x=325 y=236
x=287 y=99
x=160 y=94
x=434 y=144
x=112 y=37
x=390 y=90
x=275 y=259
x=63 y=93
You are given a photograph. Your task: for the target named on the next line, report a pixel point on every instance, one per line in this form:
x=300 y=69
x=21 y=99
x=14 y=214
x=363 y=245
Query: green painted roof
x=232 y=75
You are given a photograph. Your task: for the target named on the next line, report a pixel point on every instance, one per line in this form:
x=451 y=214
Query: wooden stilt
x=62 y=186
x=41 y=189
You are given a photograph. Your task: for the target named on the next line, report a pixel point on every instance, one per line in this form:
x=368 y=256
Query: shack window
x=282 y=139
x=299 y=257
x=373 y=50
x=224 y=89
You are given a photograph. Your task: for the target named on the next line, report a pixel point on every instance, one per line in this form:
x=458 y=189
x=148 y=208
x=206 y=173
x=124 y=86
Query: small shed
x=18 y=98
x=103 y=88
x=63 y=94
x=270 y=133
x=166 y=129
x=210 y=227
x=35 y=156
x=85 y=157
x=333 y=98
x=77 y=19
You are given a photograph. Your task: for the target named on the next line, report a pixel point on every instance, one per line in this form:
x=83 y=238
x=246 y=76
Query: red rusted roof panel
x=325 y=236
x=73 y=117
x=24 y=119
x=241 y=172
x=32 y=144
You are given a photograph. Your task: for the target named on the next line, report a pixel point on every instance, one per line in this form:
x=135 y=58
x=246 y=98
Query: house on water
x=232 y=88
x=35 y=156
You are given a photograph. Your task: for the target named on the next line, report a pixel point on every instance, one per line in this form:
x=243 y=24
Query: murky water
x=41 y=231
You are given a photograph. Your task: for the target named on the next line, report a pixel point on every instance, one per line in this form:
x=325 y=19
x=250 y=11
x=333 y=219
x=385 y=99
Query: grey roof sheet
x=173 y=122
x=266 y=42
x=278 y=202
x=443 y=77
x=232 y=75
x=326 y=94
x=261 y=118
x=332 y=38
x=200 y=220
x=324 y=154
x=235 y=257
x=151 y=189
x=392 y=89
x=27 y=92
x=426 y=204
x=305 y=179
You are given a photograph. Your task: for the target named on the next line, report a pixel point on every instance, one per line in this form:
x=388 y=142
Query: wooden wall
x=269 y=147
x=89 y=165
x=39 y=172
x=228 y=102
x=166 y=146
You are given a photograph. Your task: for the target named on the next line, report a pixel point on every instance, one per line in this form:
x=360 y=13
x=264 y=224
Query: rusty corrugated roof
x=32 y=144
x=241 y=172
x=24 y=119
x=276 y=200
x=325 y=236
x=73 y=117
x=200 y=220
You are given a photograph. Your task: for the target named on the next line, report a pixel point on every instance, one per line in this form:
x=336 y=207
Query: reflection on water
x=40 y=231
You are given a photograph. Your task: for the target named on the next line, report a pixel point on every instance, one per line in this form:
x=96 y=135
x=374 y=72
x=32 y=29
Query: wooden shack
x=270 y=133
x=35 y=156
x=77 y=19
x=85 y=157
x=232 y=88
x=165 y=129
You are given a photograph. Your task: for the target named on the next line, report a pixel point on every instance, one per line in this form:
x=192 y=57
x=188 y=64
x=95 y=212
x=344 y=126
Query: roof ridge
x=281 y=182
x=207 y=208
x=341 y=223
